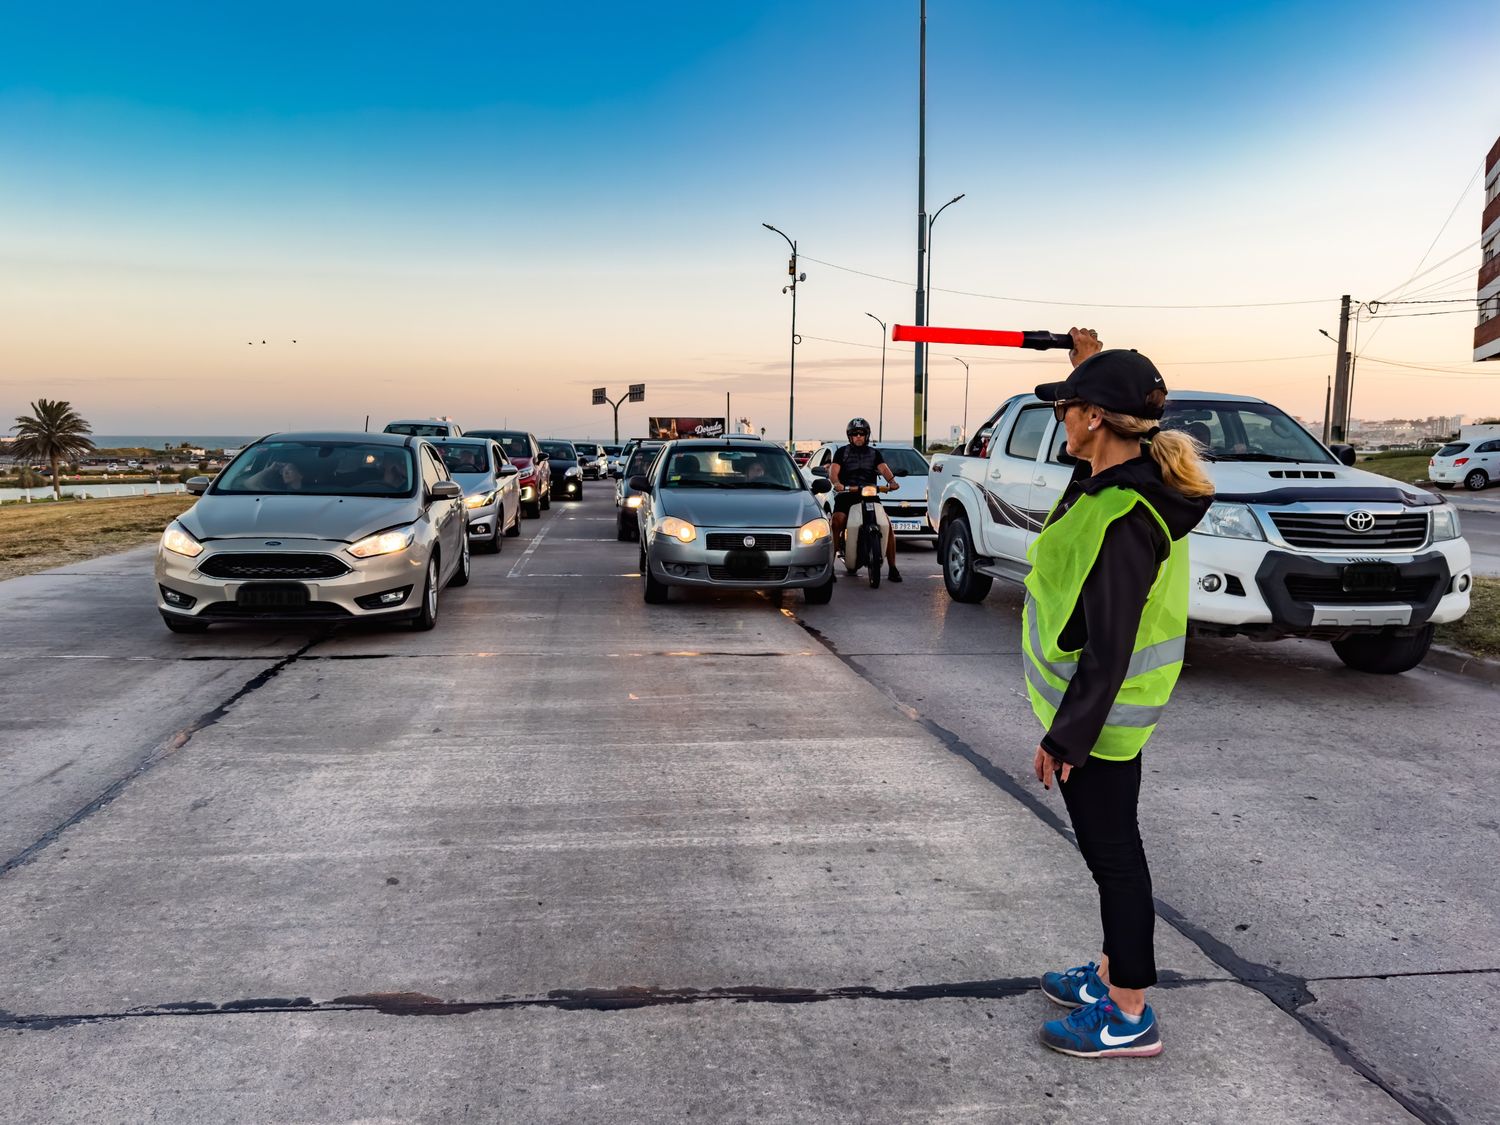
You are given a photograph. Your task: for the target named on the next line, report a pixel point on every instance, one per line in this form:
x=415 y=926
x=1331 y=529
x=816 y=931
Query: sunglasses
x=1060 y=409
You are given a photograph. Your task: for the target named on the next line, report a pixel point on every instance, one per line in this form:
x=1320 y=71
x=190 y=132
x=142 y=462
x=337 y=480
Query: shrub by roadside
x=36 y=537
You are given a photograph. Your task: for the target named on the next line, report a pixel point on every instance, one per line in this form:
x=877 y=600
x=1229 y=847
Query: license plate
x=283 y=595
x=1370 y=578
x=907 y=525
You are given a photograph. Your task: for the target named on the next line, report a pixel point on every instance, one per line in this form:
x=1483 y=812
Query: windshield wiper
x=1257 y=457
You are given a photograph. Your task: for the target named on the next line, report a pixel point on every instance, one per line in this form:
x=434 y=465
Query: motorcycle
x=866 y=533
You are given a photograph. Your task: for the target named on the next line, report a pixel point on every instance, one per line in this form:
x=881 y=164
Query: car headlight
x=813 y=530
x=383 y=543
x=478 y=501
x=1445 y=524
x=180 y=541
x=575 y=471
x=1230 y=521
x=633 y=501
x=680 y=530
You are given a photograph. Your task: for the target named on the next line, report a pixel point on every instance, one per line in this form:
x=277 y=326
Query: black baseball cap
x=1120 y=380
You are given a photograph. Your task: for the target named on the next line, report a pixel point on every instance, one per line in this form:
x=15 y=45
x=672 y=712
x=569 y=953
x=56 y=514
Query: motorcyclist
x=855 y=465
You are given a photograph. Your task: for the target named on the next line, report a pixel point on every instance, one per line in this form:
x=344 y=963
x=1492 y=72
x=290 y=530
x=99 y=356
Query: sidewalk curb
x=1462 y=663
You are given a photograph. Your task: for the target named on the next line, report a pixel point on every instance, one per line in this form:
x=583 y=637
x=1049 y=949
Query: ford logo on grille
x=749 y=540
x=273 y=542
x=1360 y=522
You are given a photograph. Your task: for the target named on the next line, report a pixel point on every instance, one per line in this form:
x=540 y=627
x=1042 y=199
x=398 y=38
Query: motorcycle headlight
x=680 y=530
x=478 y=501
x=813 y=530
x=1230 y=521
x=383 y=543
x=180 y=541
x=869 y=490
x=1445 y=524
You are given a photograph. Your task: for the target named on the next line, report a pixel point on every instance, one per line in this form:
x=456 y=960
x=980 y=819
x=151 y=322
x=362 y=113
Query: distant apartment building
x=1487 y=331
x=1403 y=431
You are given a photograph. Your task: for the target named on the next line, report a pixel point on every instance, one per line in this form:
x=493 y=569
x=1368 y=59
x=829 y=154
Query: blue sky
x=482 y=209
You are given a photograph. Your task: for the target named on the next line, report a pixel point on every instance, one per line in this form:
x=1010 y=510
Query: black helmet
x=857 y=426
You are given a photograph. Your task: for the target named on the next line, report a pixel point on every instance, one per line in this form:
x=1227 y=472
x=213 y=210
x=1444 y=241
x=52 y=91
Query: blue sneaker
x=1099 y=1031
x=1077 y=987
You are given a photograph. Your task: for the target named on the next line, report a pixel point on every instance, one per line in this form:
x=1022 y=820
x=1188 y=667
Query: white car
x=1470 y=461
x=907 y=506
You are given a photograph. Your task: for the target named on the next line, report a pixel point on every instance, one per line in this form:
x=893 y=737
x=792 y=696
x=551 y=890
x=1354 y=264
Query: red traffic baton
x=985 y=337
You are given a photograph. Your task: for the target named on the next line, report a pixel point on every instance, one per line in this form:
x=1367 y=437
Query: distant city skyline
x=485 y=212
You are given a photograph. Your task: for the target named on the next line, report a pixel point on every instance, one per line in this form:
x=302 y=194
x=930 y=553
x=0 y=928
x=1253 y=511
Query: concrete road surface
x=572 y=858
x=1480 y=516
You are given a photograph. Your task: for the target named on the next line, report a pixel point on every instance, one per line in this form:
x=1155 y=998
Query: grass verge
x=1406 y=468
x=1479 y=631
x=35 y=537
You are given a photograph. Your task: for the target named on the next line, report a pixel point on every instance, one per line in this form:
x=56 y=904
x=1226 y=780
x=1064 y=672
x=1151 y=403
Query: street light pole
x=880 y=434
x=791 y=394
x=966 y=396
x=919 y=356
x=926 y=356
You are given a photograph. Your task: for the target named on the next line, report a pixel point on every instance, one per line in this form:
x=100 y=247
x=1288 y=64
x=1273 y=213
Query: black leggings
x=1101 y=798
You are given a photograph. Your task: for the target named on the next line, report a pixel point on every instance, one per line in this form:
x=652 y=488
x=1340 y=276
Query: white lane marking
x=532 y=546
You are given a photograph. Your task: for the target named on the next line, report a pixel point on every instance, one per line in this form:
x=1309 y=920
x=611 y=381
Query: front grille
x=1327 y=531
x=312 y=611
x=1330 y=591
x=735 y=541
x=237 y=565
x=768 y=574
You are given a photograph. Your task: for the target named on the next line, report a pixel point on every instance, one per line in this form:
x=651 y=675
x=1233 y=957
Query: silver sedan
x=316 y=527
x=732 y=512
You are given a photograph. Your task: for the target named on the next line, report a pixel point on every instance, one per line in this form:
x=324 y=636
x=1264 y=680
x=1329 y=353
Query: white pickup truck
x=1297 y=543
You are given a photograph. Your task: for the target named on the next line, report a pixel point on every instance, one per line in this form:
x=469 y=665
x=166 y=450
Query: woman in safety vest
x=1103 y=632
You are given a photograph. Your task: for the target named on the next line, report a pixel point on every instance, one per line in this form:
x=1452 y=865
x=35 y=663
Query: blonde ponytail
x=1178 y=455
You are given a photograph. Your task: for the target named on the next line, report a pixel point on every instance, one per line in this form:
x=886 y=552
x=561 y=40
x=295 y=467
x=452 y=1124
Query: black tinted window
x=641 y=459
x=1453 y=449
x=320 y=468
x=1026 y=435
x=562 y=450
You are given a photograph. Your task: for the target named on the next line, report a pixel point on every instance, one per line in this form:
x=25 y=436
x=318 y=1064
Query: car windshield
x=641 y=459
x=514 y=444
x=560 y=450
x=320 y=468
x=613 y=450
x=586 y=449
x=731 y=468
x=420 y=429
x=1244 y=431
x=1452 y=450
x=904 y=460
x=465 y=457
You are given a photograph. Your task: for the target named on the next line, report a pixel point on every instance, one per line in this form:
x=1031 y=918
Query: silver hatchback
x=316 y=527
x=732 y=512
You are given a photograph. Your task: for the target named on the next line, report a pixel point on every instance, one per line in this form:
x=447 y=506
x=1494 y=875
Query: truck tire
x=956 y=548
x=1384 y=653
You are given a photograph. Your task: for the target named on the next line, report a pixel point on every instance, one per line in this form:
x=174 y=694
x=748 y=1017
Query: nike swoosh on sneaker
x=1083 y=994
x=1119 y=1040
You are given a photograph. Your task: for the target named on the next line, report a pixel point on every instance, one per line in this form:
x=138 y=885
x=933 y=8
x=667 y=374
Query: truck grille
x=1327 y=531
x=237 y=565
x=735 y=541
x=1330 y=591
x=768 y=574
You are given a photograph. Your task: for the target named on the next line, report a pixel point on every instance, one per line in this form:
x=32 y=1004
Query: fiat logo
x=749 y=540
x=1360 y=522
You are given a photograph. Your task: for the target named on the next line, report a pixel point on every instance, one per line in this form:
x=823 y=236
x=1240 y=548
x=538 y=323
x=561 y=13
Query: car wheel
x=547 y=498
x=579 y=496
x=1384 y=654
x=1477 y=481
x=956 y=546
x=653 y=591
x=497 y=541
x=532 y=511
x=820 y=595
x=515 y=528
x=427 y=616
x=622 y=532
x=465 y=566
x=180 y=624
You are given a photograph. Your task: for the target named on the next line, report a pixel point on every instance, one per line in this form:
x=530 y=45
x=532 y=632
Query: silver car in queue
x=732 y=512
x=326 y=527
x=492 y=489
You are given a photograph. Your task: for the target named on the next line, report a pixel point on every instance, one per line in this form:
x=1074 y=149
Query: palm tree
x=54 y=431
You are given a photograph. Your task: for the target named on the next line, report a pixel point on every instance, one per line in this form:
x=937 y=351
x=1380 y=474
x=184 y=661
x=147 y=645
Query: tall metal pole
x=926 y=348
x=1341 y=375
x=966 y=396
x=880 y=434
x=919 y=404
x=791 y=396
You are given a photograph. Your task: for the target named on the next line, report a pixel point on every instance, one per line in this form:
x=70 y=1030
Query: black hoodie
x=1108 y=613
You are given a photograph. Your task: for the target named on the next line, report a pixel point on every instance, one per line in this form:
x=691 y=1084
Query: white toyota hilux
x=1297 y=543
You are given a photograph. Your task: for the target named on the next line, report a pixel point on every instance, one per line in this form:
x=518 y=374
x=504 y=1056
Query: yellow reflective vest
x=1061 y=558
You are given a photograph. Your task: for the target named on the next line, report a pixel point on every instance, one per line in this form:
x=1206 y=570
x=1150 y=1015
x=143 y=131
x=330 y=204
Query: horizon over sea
x=159 y=441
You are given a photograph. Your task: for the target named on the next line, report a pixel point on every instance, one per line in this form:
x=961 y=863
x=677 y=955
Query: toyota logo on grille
x=1360 y=522
x=749 y=540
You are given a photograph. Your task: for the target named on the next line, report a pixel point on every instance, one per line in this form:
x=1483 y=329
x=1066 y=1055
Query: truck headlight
x=382 y=543
x=1445 y=524
x=180 y=541
x=812 y=531
x=479 y=501
x=680 y=530
x=1230 y=521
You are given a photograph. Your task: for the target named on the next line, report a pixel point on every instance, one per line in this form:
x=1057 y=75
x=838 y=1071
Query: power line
x=1456 y=204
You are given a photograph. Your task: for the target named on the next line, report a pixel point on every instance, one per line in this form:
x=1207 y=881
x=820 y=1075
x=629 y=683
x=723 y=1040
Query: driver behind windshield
x=853 y=467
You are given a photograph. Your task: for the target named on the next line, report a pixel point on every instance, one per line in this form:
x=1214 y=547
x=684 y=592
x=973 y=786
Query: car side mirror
x=820 y=471
x=445 y=490
x=1345 y=453
x=198 y=485
x=639 y=483
x=821 y=485
x=544 y=456
x=508 y=470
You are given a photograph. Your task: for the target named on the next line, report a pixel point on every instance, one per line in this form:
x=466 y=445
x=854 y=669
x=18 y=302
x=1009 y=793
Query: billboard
x=669 y=428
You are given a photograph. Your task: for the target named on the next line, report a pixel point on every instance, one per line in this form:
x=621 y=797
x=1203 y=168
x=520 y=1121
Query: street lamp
x=924 y=347
x=881 y=433
x=966 y=396
x=791 y=394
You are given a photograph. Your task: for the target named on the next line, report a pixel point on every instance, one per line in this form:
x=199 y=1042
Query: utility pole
x=791 y=394
x=919 y=403
x=966 y=397
x=1338 y=431
x=881 y=433
x=1328 y=411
